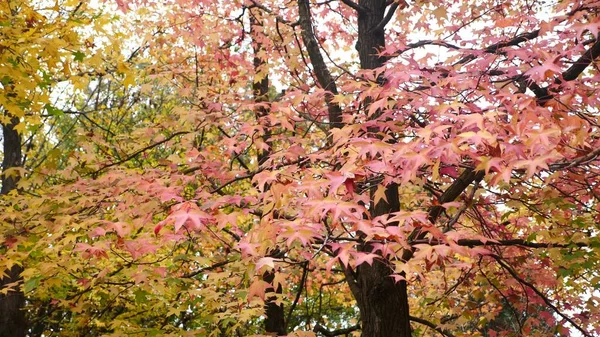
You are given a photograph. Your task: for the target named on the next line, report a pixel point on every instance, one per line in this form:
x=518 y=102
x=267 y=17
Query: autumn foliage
x=301 y=168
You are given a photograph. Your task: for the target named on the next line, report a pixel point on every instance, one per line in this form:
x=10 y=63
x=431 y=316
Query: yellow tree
x=45 y=47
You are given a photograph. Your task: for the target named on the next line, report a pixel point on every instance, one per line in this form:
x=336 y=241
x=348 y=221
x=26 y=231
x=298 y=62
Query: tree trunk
x=275 y=316
x=383 y=302
x=12 y=315
x=371 y=37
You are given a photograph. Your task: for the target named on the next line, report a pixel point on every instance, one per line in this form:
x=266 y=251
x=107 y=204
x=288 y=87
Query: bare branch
x=431 y=325
x=511 y=242
x=321 y=71
x=136 y=153
x=299 y=292
x=201 y=270
x=360 y=9
x=388 y=16
x=540 y=294
x=339 y=332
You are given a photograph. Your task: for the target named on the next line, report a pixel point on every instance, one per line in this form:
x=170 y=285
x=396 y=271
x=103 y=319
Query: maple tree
x=46 y=48
x=428 y=168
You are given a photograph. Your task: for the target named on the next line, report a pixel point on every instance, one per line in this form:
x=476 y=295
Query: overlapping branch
x=332 y=333
x=321 y=70
x=432 y=326
x=138 y=152
x=357 y=7
x=541 y=295
x=504 y=243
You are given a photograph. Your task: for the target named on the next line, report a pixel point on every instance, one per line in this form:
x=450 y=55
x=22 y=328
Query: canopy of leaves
x=160 y=189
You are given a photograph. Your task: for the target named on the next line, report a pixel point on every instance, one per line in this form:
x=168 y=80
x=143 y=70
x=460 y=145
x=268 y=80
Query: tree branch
x=544 y=94
x=320 y=68
x=585 y=60
x=496 y=47
x=388 y=16
x=278 y=17
x=351 y=280
x=540 y=294
x=136 y=153
x=511 y=242
x=457 y=187
x=328 y=333
x=431 y=325
x=576 y=161
x=201 y=270
x=250 y=175
x=360 y=9
x=492 y=49
x=299 y=292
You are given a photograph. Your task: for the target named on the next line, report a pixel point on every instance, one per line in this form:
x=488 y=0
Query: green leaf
x=53 y=111
x=155 y=332
x=140 y=296
x=564 y=272
x=506 y=215
x=46 y=81
x=36 y=254
x=32 y=284
x=78 y=56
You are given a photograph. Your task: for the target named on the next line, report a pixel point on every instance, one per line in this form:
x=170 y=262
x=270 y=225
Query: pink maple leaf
x=336 y=179
x=360 y=258
x=98 y=231
x=90 y=251
x=121 y=228
x=265 y=261
x=247 y=249
x=533 y=165
x=264 y=178
x=545 y=70
x=490 y=164
x=122 y=5
x=187 y=214
x=592 y=27
x=342 y=251
x=139 y=247
x=257 y=289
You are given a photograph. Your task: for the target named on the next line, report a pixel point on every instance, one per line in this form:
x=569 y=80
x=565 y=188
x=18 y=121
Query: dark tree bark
x=371 y=34
x=275 y=316
x=383 y=302
x=12 y=316
x=321 y=71
x=260 y=89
